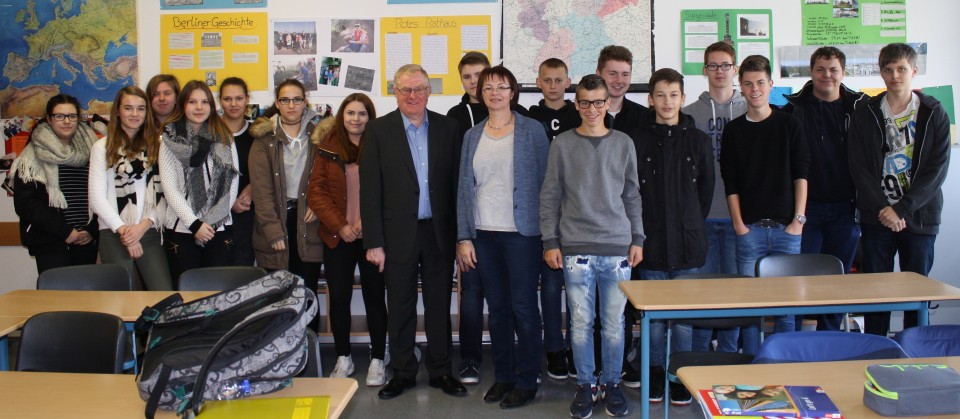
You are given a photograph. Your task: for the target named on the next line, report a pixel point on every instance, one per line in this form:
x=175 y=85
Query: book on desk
x=770 y=401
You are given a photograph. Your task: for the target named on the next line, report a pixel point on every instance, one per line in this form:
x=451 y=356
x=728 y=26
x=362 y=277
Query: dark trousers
x=437 y=277
x=880 y=246
x=341 y=262
x=309 y=271
x=831 y=229
x=471 y=316
x=241 y=249
x=74 y=255
x=183 y=252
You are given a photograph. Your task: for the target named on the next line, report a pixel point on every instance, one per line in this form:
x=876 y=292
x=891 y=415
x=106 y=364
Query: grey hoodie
x=710 y=117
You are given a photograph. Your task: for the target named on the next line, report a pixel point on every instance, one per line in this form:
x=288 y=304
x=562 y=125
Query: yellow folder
x=267 y=408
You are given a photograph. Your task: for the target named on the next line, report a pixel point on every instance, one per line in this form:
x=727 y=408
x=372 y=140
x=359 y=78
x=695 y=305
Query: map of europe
x=84 y=48
x=575 y=31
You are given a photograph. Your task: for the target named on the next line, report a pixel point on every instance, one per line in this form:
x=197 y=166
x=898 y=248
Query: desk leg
x=644 y=365
x=923 y=315
x=4 y=354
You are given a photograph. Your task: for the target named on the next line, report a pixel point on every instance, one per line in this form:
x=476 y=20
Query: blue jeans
x=759 y=242
x=471 y=316
x=509 y=266
x=551 y=301
x=880 y=246
x=721 y=259
x=682 y=340
x=831 y=229
x=589 y=279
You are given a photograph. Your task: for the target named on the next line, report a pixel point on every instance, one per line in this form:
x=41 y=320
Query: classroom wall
x=927 y=21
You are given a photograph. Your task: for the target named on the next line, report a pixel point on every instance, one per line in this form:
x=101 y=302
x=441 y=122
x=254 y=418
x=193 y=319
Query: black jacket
x=556 y=121
x=922 y=204
x=675 y=167
x=42 y=227
x=631 y=115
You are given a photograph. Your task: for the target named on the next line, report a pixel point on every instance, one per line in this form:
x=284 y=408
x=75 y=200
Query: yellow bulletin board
x=214 y=46
x=436 y=43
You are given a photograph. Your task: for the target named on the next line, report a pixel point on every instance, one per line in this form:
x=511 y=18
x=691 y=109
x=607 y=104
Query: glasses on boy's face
x=584 y=104
x=288 y=100
x=59 y=117
x=715 y=67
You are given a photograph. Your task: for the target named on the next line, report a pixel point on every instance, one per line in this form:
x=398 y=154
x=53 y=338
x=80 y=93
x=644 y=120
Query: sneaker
x=583 y=402
x=630 y=376
x=571 y=366
x=679 y=396
x=612 y=395
x=557 y=365
x=376 y=374
x=657 y=376
x=344 y=367
x=469 y=372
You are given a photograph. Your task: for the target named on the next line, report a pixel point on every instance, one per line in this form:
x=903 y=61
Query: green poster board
x=749 y=31
x=843 y=22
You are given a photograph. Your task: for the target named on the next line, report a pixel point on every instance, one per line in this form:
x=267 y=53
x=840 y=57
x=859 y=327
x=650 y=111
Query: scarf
x=41 y=157
x=204 y=161
x=128 y=171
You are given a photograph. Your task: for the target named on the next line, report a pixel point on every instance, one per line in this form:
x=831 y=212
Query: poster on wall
x=435 y=42
x=861 y=59
x=212 y=47
x=210 y=4
x=840 y=22
x=748 y=31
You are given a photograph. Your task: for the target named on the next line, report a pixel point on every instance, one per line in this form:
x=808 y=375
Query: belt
x=291 y=204
x=424 y=220
x=767 y=223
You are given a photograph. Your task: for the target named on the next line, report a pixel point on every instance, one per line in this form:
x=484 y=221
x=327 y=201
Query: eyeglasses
x=584 y=104
x=287 y=100
x=501 y=89
x=406 y=91
x=59 y=117
x=715 y=67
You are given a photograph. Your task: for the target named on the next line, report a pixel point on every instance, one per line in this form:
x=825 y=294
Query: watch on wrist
x=802 y=219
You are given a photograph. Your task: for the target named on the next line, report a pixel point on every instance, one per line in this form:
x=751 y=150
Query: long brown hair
x=146 y=139
x=218 y=129
x=350 y=152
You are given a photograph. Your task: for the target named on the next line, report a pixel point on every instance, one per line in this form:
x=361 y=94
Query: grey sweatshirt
x=590 y=199
x=710 y=118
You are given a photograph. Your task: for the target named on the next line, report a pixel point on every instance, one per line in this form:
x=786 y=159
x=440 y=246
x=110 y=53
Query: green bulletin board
x=748 y=30
x=843 y=22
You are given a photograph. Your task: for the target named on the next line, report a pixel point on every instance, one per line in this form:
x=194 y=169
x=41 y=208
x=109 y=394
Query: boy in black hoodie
x=556 y=113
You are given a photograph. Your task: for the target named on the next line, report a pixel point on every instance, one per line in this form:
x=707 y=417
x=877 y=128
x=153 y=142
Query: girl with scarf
x=125 y=190
x=198 y=171
x=50 y=184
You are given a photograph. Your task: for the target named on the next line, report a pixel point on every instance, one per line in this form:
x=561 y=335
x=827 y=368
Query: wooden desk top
x=43 y=395
x=9 y=324
x=125 y=304
x=843 y=381
x=693 y=294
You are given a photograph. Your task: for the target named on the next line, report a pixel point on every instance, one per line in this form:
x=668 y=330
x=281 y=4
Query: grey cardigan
x=530 y=148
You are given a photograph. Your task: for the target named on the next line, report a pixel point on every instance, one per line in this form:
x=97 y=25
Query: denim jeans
x=759 y=242
x=682 y=340
x=551 y=302
x=591 y=279
x=471 y=316
x=880 y=246
x=831 y=229
x=721 y=259
x=509 y=266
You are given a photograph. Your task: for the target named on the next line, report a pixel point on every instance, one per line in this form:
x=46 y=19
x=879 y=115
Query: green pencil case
x=912 y=389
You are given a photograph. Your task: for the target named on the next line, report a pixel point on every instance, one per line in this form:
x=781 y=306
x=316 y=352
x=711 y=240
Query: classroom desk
x=43 y=395
x=742 y=297
x=843 y=380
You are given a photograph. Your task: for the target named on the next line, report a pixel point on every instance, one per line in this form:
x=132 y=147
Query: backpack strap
x=154 y=401
x=150 y=314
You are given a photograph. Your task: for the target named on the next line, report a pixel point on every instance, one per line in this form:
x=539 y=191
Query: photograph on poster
x=330 y=71
x=861 y=59
x=252 y=112
x=323 y=110
x=295 y=38
x=303 y=69
x=360 y=78
x=754 y=26
x=352 y=35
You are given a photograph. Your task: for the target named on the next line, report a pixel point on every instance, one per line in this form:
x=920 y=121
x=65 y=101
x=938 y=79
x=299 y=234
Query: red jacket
x=327 y=190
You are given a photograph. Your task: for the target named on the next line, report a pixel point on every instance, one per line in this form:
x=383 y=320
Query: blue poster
x=210 y=4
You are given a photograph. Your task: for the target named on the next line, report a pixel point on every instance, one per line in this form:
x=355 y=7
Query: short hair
x=502 y=73
x=409 y=69
x=553 y=63
x=896 y=52
x=155 y=81
x=755 y=63
x=471 y=58
x=591 y=82
x=614 y=52
x=720 y=46
x=829 y=53
x=668 y=75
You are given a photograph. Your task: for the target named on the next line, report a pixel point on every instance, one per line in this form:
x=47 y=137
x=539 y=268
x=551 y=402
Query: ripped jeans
x=584 y=276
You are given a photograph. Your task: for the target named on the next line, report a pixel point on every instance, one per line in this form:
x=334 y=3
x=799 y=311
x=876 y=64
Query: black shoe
x=557 y=365
x=571 y=366
x=497 y=391
x=657 y=377
x=449 y=385
x=679 y=396
x=517 y=398
x=630 y=376
x=395 y=387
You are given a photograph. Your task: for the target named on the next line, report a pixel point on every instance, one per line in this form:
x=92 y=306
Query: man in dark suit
x=408 y=181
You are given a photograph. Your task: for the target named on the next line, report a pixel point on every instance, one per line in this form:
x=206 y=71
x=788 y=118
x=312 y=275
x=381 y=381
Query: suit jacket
x=389 y=190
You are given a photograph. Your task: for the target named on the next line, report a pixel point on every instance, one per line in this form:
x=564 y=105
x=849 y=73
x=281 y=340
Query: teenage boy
x=676 y=187
x=615 y=66
x=899 y=148
x=764 y=162
x=593 y=229
x=557 y=115
x=824 y=106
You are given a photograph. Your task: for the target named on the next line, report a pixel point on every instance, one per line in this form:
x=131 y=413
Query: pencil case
x=912 y=389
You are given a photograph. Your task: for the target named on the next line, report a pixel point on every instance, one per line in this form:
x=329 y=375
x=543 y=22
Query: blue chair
x=930 y=341
x=824 y=346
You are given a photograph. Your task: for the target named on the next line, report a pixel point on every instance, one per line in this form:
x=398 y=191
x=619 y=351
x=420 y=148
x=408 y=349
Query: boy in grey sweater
x=590 y=218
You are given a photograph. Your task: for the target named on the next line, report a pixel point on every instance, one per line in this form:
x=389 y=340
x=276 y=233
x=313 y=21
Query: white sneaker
x=344 y=367
x=376 y=374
